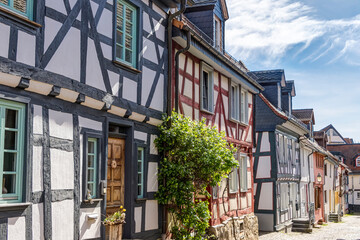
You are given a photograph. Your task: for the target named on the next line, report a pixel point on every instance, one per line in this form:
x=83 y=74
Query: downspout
x=169 y=95
x=183 y=50
x=169 y=38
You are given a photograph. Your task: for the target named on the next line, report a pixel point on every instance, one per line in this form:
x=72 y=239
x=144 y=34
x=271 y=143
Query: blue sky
x=316 y=42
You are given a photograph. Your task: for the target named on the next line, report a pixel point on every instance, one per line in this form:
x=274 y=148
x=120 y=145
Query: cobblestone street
x=348 y=229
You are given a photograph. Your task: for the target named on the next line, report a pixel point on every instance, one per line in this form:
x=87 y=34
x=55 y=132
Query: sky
x=316 y=42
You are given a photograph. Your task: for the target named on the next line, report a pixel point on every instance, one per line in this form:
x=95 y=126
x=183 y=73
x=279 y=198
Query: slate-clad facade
x=277 y=154
x=82 y=90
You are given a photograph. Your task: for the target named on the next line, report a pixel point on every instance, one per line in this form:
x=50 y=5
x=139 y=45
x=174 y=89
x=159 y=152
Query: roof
x=289 y=87
x=330 y=126
x=198 y=3
x=349 y=140
x=349 y=151
x=305 y=115
x=276 y=75
x=319 y=134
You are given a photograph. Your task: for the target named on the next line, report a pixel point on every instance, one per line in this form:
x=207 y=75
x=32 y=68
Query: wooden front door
x=115 y=175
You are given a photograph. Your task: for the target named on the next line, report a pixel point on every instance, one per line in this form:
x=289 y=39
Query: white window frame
x=210 y=101
x=244 y=109
x=233 y=181
x=235 y=102
x=217 y=32
x=243 y=160
x=357 y=161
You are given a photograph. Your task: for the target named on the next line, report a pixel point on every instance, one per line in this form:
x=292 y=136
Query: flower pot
x=115 y=232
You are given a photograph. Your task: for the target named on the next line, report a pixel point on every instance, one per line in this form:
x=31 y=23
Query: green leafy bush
x=195 y=156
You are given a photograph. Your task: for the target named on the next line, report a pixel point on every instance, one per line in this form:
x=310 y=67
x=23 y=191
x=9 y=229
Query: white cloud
x=264 y=30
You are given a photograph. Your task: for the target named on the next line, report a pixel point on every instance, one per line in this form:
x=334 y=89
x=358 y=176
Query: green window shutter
x=92 y=163
x=126 y=37
x=12 y=122
x=140 y=172
x=22 y=7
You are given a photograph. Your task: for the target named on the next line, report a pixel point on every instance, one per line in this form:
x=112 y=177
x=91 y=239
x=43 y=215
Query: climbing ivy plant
x=195 y=156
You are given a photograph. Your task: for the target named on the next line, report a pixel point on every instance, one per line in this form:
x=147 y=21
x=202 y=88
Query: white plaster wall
x=90 y=228
x=153 y=148
x=149 y=50
x=16 y=228
x=56 y=5
x=37 y=120
x=266 y=197
x=62 y=169
x=89 y=123
x=151 y=215
x=52 y=28
x=62 y=62
x=4 y=40
x=26 y=48
x=37 y=171
x=114 y=82
x=94 y=75
x=60 y=125
x=38 y=221
x=152 y=181
x=148 y=78
x=159 y=29
x=62 y=220
x=138 y=218
x=129 y=90
x=146 y=22
x=265 y=143
x=140 y=136
x=81 y=162
x=264 y=167
x=157 y=102
x=233 y=204
x=104 y=22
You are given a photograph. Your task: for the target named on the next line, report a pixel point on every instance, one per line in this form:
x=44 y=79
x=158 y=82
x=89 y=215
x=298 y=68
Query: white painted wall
x=62 y=220
x=90 y=228
x=62 y=169
x=138 y=218
x=151 y=215
x=152 y=179
x=4 y=40
x=266 y=196
x=60 y=125
x=26 y=48
x=37 y=171
x=264 y=167
x=37 y=120
x=16 y=228
x=37 y=221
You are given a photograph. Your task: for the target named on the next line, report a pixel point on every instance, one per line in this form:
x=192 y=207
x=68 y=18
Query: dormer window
x=217 y=33
x=357 y=161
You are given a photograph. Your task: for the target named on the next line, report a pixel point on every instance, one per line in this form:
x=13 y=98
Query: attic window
x=357 y=161
x=217 y=33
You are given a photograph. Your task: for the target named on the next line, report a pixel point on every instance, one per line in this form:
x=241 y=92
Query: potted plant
x=115 y=222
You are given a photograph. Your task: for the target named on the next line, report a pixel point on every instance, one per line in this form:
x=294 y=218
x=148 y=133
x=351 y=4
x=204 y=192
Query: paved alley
x=348 y=229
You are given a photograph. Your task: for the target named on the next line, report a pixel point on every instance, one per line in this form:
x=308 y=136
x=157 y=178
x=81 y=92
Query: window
x=244 y=108
x=233 y=181
x=126 y=39
x=358 y=195
x=140 y=172
x=234 y=102
x=330 y=170
x=325 y=196
x=92 y=162
x=12 y=116
x=325 y=169
x=284 y=196
x=243 y=173
x=207 y=88
x=215 y=192
x=357 y=161
x=317 y=198
x=22 y=7
x=217 y=34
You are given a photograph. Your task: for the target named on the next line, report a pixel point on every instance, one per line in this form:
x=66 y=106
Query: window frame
x=233 y=181
x=20 y=174
x=210 y=100
x=29 y=9
x=86 y=136
x=217 y=32
x=244 y=109
x=357 y=161
x=135 y=37
x=140 y=196
x=358 y=195
x=236 y=98
x=243 y=165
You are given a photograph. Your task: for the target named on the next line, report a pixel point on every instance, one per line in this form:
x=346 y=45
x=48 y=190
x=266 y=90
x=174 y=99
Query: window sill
x=207 y=111
x=243 y=124
x=18 y=18
x=283 y=211
x=94 y=200
x=234 y=120
x=140 y=200
x=126 y=67
x=13 y=206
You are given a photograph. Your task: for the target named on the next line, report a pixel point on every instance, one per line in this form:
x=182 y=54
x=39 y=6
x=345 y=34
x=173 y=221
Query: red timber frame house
x=207 y=83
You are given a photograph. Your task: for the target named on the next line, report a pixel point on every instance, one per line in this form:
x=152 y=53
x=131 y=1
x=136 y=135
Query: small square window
x=207 y=88
x=126 y=33
x=21 y=7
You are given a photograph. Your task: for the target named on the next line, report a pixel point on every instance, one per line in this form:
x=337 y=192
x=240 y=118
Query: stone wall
x=245 y=227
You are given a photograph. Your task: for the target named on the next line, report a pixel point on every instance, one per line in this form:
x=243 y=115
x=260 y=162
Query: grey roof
x=268 y=75
x=305 y=115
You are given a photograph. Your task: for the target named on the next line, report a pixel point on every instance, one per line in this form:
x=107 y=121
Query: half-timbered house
x=211 y=85
x=276 y=157
x=82 y=90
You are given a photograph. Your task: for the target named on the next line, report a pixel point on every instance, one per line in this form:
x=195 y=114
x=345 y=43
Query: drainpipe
x=169 y=36
x=171 y=17
x=183 y=50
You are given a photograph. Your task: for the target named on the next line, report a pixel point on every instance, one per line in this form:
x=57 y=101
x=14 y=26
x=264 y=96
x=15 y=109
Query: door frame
x=128 y=135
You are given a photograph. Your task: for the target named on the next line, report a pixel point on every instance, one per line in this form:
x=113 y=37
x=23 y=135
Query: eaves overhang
x=204 y=51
